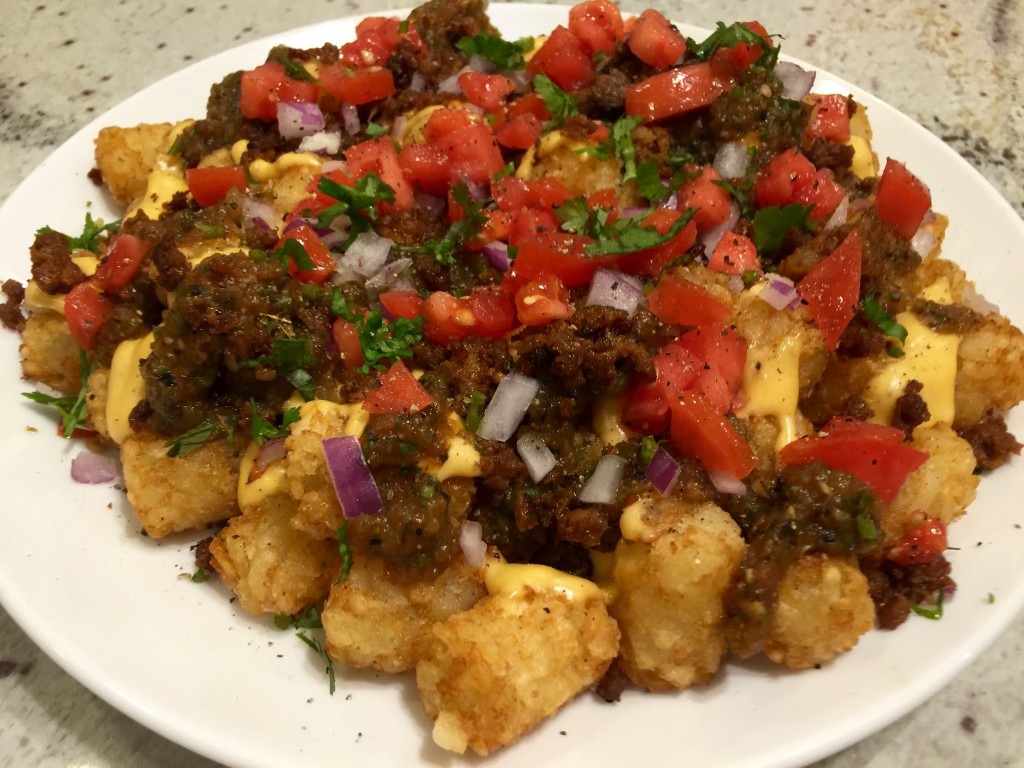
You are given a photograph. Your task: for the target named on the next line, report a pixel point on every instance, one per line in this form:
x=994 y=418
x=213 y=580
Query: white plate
x=113 y=608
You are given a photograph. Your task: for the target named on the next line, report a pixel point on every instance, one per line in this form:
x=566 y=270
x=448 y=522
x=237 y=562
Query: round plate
x=118 y=611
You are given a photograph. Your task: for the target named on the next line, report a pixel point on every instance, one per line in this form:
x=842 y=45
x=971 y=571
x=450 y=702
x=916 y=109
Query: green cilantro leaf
x=866 y=528
x=475 y=410
x=559 y=103
x=622 y=144
x=934 y=612
x=574 y=215
x=193 y=439
x=72 y=409
x=344 y=550
x=292 y=358
x=262 y=430
x=382 y=342
x=504 y=54
x=373 y=130
x=728 y=36
x=877 y=315
x=210 y=231
x=292 y=252
x=648 y=178
x=464 y=229
x=771 y=224
x=308 y=619
x=648 y=447
x=88 y=240
x=507 y=170
x=625 y=235
x=358 y=202
x=740 y=190
x=293 y=69
x=318 y=647
x=200 y=576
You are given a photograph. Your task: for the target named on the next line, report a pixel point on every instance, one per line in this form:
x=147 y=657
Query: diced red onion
x=298 y=118
x=839 y=215
x=671 y=202
x=536 y=455
x=507 y=408
x=259 y=212
x=324 y=142
x=731 y=160
x=398 y=126
x=520 y=77
x=603 y=486
x=334 y=165
x=471 y=540
x=662 y=471
x=367 y=254
x=929 y=217
x=923 y=242
x=450 y=85
x=610 y=288
x=297 y=222
x=350 y=118
x=736 y=284
x=779 y=292
x=977 y=302
x=478 y=63
x=93 y=468
x=727 y=484
x=796 y=81
x=710 y=238
x=432 y=203
x=386 y=277
x=476 y=191
x=270 y=451
x=418 y=83
x=353 y=482
x=632 y=212
x=497 y=253
x=474 y=109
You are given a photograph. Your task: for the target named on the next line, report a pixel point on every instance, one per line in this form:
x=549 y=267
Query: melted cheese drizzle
x=40 y=299
x=125 y=387
x=771 y=386
x=512 y=580
x=165 y=180
x=463 y=458
x=262 y=170
x=929 y=357
x=607 y=421
x=632 y=524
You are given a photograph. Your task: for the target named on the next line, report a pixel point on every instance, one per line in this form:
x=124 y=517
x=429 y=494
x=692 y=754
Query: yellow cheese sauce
x=771 y=385
x=463 y=458
x=125 y=387
x=512 y=580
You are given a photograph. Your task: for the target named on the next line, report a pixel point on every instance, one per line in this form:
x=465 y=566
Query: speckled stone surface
x=955 y=67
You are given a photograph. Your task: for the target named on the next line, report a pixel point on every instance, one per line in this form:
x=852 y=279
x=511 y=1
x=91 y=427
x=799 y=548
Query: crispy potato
x=48 y=353
x=271 y=566
x=96 y=400
x=669 y=602
x=823 y=609
x=373 y=622
x=126 y=156
x=990 y=370
x=555 y=157
x=497 y=670
x=290 y=188
x=942 y=487
x=175 y=494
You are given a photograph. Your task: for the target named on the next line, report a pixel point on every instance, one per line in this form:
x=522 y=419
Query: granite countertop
x=957 y=68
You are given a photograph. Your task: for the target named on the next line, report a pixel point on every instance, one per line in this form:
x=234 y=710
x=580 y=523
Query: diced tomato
x=447 y=317
x=323 y=262
x=527 y=223
x=597 y=24
x=831 y=118
x=494 y=309
x=656 y=42
x=520 y=132
x=645 y=409
x=209 y=185
x=924 y=543
x=399 y=392
x=845 y=426
x=486 y=91
x=445 y=120
x=651 y=261
x=427 y=166
x=555 y=253
x=721 y=354
x=124 y=255
x=832 y=289
x=675 y=92
x=734 y=255
x=311 y=206
x=742 y=55
x=903 y=199
x=778 y=180
x=699 y=431
x=542 y=300
x=711 y=202
x=677 y=301
x=495 y=228
x=677 y=369
x=531 y=104
x=564 y=59
x=376 y=39
x=346 y=339
x=78 y=433
x=357 y=86
x=408 y=304
x=473 y=154
x=379 y=156
x=512 y=194
x=86 y=310
x=606 y=199
x=872 y=456
x=823 y=192
x=265 y=86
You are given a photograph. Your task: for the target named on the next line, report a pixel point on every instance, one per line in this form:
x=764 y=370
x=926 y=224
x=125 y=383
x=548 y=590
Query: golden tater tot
x=126 y=156
x=49 y=354
x=981 y=384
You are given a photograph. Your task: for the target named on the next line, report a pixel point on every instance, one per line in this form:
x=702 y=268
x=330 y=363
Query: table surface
x=957 y=68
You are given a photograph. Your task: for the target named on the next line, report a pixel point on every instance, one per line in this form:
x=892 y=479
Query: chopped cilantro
x=344 y=550
x=200 y=576
x=504 y=54
x=293 y=69
x=292 y=358
x=771 y=224
x=931 y=612
x=358 y=202
x=464 y=229
x=318 y=647
x=991 y=598
x=895 y=352
x=866 y=527
x=382 y=342
x=373 y=130
x=648 y=178
x=263 y=430
x=210 y=231
x=193 y=439
x=740 y=191
x=88 y=240
x=625 y=235
x=648 y=447
x=308 y=619
x=72 y=409
x=559 y=103
x=291 y=251
x=507 y=170
x=622 y=144
x=728 y=36
x=877 y=315
x=475 y=411
x=749 y=277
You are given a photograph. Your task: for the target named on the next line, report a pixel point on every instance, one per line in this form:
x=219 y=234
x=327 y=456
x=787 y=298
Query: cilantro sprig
x=358 y=202
x=772 y=223
x=193 y=439
x=625 y=235
x=461 y=231
x=72 y=408
x=728 y=36
x=382 y=342
x=292 y=358
x=559 y=103
x=318 y=647
x=504 y=54
x=262 y=430
x=91 y=231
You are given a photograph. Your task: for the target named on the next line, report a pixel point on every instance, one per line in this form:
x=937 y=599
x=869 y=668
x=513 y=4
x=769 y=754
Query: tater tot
x=126 y=156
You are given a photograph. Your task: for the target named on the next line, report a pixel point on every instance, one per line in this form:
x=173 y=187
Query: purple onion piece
x=497 y=253
x=796 y=81
x=727 y=484
x=296 y=119
x=350 y=118
x=662 y=471
x=93 y=468
x=322 y=143
x=779 y=292
x=353 y=482
x=610 y=288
